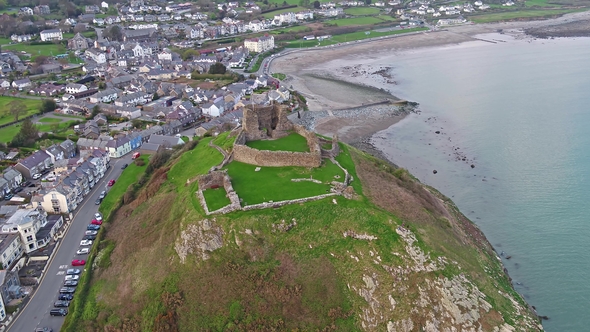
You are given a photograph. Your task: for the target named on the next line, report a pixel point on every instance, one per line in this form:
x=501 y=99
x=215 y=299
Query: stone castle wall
x=246 y=154
x=260 y=122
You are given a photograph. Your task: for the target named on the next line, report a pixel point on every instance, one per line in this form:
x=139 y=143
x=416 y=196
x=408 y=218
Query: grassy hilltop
x=397 y=257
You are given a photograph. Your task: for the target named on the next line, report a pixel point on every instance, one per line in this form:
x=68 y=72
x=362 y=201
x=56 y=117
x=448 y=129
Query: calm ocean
x=520 y=112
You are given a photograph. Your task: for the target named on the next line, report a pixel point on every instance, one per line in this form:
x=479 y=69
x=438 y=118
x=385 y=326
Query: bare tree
x=17 y=108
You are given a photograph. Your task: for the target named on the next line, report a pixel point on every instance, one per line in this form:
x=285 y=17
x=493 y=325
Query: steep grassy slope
x=399 y=257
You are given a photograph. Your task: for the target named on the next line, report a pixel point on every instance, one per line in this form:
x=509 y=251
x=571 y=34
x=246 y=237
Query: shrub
x=139 y=162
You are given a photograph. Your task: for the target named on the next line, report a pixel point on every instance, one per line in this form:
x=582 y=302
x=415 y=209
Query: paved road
x=36 y=312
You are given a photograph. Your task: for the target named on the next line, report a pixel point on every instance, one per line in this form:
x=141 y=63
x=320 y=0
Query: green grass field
x=274 y=183
x=349 y=37
x=129 y=176
x=194 y=162
x=528 y=14
x=44 y=128
x=343 y=22
x=4 y=41
x=87 y=34
x=539 y=3
x=360 y=11
x=279 y=76
x=33 y=106
x=293 y=142
x=298 y=28
x=8 y=133
x=216 y=198
x=35 y=50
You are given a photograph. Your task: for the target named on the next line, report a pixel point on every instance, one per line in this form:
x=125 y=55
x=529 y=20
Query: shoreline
x=333 y=79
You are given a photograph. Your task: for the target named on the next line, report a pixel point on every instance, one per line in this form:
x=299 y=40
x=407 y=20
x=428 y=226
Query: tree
x=113 y=33
x=102 y=85
x=136 y=123
x=367 y=2
x=48 y=105
x=95 y=110
x=316 y=4
x=156 y=96
x=17 y=108
x=27 y=134
x=41 y=59
x=217 y=68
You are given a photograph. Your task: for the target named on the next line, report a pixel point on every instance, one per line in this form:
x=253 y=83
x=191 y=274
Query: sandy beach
x=351 y=75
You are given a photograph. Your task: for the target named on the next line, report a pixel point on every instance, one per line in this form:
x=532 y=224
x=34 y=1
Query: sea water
x=519 y=112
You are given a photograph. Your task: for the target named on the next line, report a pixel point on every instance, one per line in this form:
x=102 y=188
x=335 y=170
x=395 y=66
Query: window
x=56 y=209
x=53 y=196
x=32 y=246
x=29 y=238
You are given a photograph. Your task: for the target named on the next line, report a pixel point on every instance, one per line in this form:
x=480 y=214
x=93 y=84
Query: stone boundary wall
x=334 y=150
x=267 y=205
x=221 y=179
x=248 y=155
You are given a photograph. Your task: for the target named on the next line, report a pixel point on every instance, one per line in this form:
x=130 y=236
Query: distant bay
x=519 y=112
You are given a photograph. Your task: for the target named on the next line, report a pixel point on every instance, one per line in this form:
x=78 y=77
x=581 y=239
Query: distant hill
x=394 y=256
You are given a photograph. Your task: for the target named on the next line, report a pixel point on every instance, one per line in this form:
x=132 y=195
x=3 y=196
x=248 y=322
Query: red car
x=96 y=222
x=111 y=183
x=78 y=262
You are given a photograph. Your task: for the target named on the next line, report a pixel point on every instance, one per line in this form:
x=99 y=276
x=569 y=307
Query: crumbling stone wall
x=218 y=179
x=333 y=151
x=260 y=122
x=248 y=155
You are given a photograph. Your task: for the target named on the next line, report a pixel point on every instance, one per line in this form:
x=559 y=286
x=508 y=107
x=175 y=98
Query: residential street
x=36 y=312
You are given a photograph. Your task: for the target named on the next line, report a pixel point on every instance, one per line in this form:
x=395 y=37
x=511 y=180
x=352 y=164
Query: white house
x=96 y=55
x=165 y=55
x=27 y=223
x=4 y=84
x=73 y=88
x=21 y=84
x=11 y=250
x=104 y=5
x=119 y=147
x=105 y=96
x=52 y=34
x=260 y=44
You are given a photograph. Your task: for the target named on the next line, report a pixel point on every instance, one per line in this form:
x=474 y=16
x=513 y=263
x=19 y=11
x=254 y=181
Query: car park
x=86 y=242
x=102 y=194
x=61 y=304
x=73 y=271
x=83 y=251
x=65 y=297
x=89 y=237
x=72 y=277
x=67 y=289
x=78 y=262
x=98 y=201
x=111 y=182
x=70 y=283
x=92 y=227
x=96 y=222
x=98 y=216
x=58 y=312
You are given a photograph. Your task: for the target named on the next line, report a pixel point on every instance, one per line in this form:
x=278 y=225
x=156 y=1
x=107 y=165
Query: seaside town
x=85 y=85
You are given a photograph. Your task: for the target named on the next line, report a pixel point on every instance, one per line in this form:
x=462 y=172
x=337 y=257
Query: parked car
x=83 y=251
x=44 y=329
x=86 y=242
x=102 y=194
x=65 y=297
x=111 y=182
x=72 y=277
x=92 y=227
x=89 y=237
x=58 y=312
x=70 y=283
x=96 y=222
x=98 y=216
x=98 y=201
x=8 y=196
x=73 y=271
x=36 y=176
x=67 y=289
x=61 y=304
x=90 y=233
x=124 y=166
x=77 y=262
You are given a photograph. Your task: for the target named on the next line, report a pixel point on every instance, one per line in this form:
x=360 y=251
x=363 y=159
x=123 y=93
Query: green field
x=34 y=50
x=279 y=76
x=4 y=41
x=539 y=3
x=349 y=37
x=286 y=10
x=44 y=128
x=528 y=14
x=129 y=176
x=274 y=183
x=360 y=11
x=216 y=198
x=298 y=28
x=293 y=142
x=387 y=18
x=343 y=22
x=194 y=162
x=33 y=106
x=8 y=133
x=87 y=34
